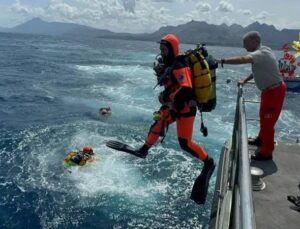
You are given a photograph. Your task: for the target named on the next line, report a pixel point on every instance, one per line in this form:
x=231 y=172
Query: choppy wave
x=129 y=73
x=115 y=182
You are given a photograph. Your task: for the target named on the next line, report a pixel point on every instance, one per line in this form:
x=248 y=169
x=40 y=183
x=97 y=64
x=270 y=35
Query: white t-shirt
x=264 y=68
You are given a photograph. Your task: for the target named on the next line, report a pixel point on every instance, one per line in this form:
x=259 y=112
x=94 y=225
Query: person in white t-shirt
x=266 y=75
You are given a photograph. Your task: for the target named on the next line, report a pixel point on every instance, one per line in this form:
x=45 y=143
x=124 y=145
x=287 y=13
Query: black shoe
x=254 y=141
x=295 y=208
x=258 y=157
x=201 y=185
x=295 y=200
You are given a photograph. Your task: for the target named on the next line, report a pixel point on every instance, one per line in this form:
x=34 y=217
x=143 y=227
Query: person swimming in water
x=86 y=155
x=105 y=111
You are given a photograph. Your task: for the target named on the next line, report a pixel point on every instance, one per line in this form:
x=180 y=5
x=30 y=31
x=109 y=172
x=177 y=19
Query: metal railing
x=233 y=201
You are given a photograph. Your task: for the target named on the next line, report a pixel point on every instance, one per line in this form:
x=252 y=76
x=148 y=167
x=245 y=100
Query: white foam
x=123 y=70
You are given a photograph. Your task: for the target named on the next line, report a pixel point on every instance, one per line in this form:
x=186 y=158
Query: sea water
x=50 y=92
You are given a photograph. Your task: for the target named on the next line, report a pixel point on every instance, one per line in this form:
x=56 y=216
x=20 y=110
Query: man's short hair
x=253 y=35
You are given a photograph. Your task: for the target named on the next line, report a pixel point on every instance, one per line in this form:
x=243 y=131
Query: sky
x=138 y=16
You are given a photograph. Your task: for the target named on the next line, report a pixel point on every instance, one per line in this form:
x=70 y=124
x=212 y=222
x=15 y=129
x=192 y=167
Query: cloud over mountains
x=134 y=15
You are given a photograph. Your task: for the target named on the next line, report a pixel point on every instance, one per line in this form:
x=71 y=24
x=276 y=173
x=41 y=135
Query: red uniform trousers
x=270 y=108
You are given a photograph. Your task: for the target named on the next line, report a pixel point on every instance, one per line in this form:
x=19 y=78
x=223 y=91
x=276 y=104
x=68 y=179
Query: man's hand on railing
x=241 y=83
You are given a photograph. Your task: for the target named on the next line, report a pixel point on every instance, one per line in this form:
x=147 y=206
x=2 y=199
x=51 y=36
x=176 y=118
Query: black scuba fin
x=124 y=148
x=201 y=184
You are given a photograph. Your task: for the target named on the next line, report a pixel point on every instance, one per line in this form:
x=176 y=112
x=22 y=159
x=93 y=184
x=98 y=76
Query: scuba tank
x=213 y=65
x=203 y=68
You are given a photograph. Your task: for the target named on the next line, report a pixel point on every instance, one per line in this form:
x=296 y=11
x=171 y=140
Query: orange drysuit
x=176 y=100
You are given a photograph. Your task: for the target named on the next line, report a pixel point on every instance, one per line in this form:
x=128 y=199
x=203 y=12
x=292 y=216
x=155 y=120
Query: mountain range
x=192 y=32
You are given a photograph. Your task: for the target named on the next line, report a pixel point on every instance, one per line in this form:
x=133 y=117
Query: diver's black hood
x=170 y=57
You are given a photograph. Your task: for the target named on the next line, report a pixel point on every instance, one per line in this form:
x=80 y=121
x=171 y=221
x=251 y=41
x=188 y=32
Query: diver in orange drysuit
x=177 y=106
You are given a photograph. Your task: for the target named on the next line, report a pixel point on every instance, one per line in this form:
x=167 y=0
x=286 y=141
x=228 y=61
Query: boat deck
x=282 y=177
